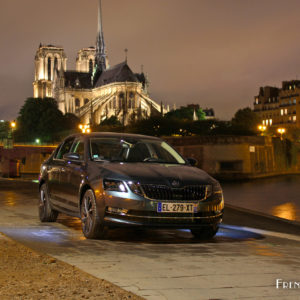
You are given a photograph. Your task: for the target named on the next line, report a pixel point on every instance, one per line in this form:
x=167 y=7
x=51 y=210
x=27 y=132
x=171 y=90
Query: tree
x=185 y=113
x=39 y=118
x=112 y=121
x=70 y=121
x=245 y=121
x=4 y=129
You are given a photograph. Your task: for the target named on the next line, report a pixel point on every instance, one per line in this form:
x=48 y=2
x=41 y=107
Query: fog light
x=115 y=210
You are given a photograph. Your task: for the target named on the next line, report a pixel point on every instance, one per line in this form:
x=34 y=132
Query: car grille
x=163 y=192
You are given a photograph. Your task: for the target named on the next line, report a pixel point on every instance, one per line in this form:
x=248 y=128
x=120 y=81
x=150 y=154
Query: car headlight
x=208 y=191
x=217 y=191
x=216 y=188
x=114 y=185
x=135 y=187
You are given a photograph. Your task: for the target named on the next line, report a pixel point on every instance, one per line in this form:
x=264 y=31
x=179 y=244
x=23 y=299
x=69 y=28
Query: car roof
x=113 y=134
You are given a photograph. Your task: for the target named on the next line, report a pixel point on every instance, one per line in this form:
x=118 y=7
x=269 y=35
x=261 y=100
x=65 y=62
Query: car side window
x=78 y=147
x=65 y=148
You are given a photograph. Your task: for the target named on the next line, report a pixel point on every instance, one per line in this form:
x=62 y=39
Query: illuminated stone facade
x=48 y=60
x=95 y=91
x=279 y=107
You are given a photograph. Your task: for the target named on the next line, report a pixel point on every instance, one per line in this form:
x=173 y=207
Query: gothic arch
x=49 y=67
x=77 y=102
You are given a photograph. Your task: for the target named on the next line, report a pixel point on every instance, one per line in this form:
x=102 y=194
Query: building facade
x=279 y=107
x=95 y=91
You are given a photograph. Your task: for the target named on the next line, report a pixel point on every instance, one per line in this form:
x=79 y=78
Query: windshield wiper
x=157 y=160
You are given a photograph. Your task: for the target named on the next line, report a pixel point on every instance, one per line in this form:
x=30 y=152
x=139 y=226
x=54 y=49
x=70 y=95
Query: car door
x=72 y=175
x=55 y=172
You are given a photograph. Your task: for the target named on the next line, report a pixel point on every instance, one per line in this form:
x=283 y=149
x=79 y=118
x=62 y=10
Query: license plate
x=169 y=207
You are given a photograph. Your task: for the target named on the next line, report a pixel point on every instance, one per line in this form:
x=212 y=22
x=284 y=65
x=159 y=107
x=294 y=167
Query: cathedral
x=95 y=91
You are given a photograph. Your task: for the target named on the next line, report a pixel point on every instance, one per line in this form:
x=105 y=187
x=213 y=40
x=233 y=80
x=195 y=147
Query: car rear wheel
x=92 y=226
x=205 y=233
x=46 y=213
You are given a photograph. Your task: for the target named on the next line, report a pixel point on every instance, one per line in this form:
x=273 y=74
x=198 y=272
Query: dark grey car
x=116 y=179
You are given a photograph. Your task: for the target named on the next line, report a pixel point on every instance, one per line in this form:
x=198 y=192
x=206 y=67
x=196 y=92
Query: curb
x=260 y=214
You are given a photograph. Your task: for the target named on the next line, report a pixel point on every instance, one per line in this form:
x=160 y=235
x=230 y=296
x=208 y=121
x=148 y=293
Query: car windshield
x=133 y=150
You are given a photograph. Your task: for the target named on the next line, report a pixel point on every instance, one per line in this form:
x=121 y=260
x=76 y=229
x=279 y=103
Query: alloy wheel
x=87 y=214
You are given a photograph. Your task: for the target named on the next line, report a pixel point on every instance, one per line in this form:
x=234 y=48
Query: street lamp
x=281 y=131
x=84 y=128
x=13 y=124
x=262 y=128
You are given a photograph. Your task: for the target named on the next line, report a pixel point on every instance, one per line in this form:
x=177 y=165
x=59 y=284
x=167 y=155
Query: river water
x=277 y=196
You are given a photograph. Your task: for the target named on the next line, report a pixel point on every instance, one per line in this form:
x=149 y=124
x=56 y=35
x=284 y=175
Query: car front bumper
x=119 y=210
x=166 y=221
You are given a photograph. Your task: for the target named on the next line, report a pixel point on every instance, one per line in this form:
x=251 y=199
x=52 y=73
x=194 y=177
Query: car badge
x=175 y=183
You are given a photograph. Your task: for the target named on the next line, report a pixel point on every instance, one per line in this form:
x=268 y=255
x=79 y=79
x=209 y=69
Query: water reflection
x=277 y=196
x=285 y=211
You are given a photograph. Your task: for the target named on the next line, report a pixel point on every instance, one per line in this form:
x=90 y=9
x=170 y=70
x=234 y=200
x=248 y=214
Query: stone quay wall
x=23 y=160
x=239 y=157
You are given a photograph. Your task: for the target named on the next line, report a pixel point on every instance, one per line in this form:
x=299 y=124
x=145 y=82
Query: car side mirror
x=71 y=156
x=192 y=161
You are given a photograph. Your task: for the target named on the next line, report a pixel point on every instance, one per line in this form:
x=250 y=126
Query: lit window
x=256 y=100
x=285 y=111
x=267 y=122
x=281 y=112
x=294 y=118
x=270 y=122
x=263 y=121
x=294 y=101
x=290 y=87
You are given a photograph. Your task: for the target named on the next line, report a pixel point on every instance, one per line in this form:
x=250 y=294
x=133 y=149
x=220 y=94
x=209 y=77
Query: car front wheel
x=46 y=213
x=92 y=227
x=205 y=233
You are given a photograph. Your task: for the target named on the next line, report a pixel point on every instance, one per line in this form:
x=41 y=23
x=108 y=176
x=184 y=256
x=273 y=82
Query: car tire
x=92 y=225
x=46 y=213
x=205 y=233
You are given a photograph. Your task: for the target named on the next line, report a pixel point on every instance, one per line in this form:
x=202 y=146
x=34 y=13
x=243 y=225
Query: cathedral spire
x=100 y=46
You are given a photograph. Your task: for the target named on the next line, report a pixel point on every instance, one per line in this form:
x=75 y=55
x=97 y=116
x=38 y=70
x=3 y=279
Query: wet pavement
x=240 y=262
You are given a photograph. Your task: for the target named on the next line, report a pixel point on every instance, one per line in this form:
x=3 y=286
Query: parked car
x=116 y=179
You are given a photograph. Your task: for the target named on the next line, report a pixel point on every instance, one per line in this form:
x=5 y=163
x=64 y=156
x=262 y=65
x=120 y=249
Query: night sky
x=213 y=53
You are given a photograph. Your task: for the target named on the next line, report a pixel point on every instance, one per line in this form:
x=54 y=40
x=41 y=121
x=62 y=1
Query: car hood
x=155 y=173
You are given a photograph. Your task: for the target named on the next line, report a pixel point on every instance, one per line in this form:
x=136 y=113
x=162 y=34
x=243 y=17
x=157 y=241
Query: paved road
x=239 y=263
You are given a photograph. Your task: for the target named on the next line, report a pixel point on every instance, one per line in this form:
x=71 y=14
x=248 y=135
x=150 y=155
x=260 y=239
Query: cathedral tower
x=101 y=58
x=47 y=60
x=85 y=60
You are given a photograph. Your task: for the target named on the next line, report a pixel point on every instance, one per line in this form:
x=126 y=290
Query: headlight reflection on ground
x=234 y=232
x=46 y=235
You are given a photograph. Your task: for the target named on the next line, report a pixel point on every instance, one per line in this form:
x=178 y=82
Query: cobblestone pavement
x=239 y=263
